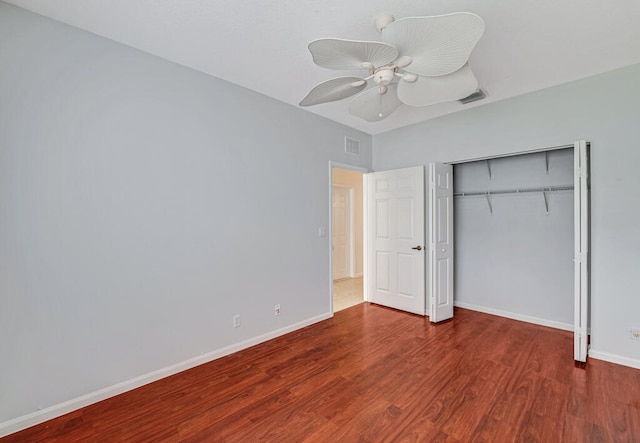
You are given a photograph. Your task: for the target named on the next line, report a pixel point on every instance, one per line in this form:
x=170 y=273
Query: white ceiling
x=262 y=44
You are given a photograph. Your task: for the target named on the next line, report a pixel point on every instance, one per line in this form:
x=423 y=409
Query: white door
x=396 y=248
x=341 y=230
x=440 y=286
x=581 y=230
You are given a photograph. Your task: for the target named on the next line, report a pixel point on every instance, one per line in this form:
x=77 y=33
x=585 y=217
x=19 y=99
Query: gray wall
x=518 y=259
x=142 y=205
x=603 y=110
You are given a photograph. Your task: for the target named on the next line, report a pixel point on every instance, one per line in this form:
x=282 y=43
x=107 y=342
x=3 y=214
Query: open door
x=395 y=237
x=581 y=230
x=440 y=286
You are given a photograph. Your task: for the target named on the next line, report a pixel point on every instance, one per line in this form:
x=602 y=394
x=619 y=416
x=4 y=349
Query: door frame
x=361 y=170
x=582 y=234
x=351 y=243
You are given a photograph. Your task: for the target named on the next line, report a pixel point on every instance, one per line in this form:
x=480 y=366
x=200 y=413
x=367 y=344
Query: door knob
x=419 y=248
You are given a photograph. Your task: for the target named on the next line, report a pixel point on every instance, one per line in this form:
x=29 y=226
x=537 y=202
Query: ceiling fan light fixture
x=404 y=61
x=409 y=78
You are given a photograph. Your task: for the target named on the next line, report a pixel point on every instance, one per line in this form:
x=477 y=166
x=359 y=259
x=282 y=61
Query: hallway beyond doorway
x=347 y=292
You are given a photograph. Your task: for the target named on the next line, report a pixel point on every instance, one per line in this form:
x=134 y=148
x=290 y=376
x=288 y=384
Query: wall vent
x=351 y=146
x=478 y=95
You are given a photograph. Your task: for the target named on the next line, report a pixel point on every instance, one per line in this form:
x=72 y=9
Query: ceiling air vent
x=351 y=146
x=478 y=95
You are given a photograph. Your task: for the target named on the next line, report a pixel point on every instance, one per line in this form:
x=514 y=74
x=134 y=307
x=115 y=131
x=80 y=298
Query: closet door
x=581 y=230
x=440 y=277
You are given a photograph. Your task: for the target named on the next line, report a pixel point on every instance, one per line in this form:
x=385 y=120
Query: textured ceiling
x=262 y=44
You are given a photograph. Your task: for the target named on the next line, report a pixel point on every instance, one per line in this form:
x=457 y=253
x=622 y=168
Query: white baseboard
x=613 y=358
x=598 y=355
x=514 y=316
x=26 y=421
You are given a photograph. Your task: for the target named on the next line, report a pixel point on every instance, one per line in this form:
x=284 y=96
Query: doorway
x=347 y=226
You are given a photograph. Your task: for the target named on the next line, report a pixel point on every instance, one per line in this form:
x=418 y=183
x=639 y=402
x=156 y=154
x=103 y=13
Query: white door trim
x=581 y=245
x=352 y=232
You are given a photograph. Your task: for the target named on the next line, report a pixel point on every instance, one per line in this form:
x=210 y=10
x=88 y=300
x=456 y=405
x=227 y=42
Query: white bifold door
x=440 y=276
x=581 y=260
x=396 y=247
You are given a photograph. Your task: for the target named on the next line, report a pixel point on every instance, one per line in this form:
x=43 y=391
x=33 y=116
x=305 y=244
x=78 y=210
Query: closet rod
x=515 y=191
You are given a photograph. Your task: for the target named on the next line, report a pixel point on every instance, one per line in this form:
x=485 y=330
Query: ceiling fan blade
x=438 y=45
x=374 y=107
x=432 y=90
x=332 y=90
x=333 y=53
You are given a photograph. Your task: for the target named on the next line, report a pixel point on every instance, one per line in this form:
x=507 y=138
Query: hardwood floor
x=374 y=374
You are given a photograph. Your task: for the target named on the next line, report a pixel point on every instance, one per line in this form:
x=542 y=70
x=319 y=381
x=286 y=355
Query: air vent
x=478 y=95
x=351 y=146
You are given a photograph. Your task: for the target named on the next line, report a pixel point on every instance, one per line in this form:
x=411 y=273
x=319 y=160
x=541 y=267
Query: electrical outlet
x=236 y=321
x=635 y=334
x=276 y=310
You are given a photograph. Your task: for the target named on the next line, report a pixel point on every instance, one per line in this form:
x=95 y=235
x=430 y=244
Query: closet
x=507 y=236
x=514 y=231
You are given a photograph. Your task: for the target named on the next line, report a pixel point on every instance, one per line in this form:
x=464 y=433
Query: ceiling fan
x=423 y=61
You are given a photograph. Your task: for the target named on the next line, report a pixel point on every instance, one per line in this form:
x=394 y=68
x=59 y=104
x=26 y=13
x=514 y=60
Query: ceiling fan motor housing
x=383 y=76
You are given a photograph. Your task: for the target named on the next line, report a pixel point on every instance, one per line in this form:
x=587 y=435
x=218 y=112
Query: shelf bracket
x=546 y=202
x=546 y=161
x=489 y=202
x=489 y=168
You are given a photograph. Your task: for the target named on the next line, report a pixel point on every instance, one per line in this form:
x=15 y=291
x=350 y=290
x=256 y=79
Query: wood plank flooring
x=372 y=374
